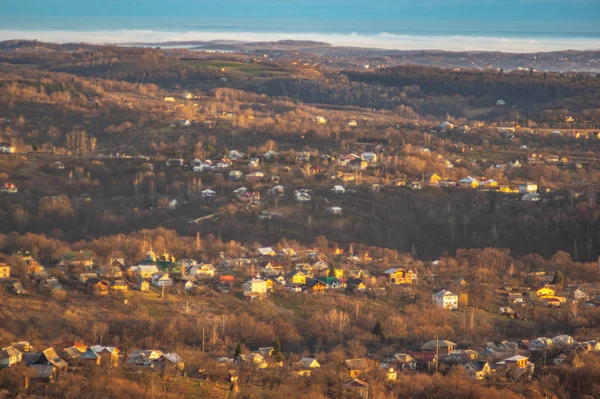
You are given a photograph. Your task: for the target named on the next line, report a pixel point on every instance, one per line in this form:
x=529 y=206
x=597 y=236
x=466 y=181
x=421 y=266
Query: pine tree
x=378 y=331
x=238 y=351
x=277 y=351
x=559 y=279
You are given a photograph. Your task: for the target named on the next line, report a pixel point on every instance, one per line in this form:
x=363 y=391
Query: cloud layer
x=383 y=40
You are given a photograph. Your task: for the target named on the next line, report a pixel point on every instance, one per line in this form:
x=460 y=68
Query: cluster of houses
x=315 y=273
x=8 y=188
x=515 y=360
x=7 y=148
x=50 y=363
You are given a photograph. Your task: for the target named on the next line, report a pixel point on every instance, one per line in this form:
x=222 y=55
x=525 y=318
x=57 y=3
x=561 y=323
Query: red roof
x=226 y=279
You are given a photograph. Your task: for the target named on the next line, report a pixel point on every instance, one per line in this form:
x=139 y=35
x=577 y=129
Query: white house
x=277 y=190
x=266 y=251
x=528 y=188
x=234 y=154
x=7 y=148
x=205 y=270
x=445 y=300
x=257 y=286
x=338 y=190
x=161 y=279
x=208 y=193
x=302 y=196
x=532 y=197
x=335 y=210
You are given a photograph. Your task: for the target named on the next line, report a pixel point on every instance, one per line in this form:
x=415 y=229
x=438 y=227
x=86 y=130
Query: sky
x=557 y=11
x=503 y=25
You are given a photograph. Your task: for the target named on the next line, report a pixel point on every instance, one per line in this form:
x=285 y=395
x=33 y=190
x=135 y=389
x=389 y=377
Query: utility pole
x=202 y=338
x=437 y=353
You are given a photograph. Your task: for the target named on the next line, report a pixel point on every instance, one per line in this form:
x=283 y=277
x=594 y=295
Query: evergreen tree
x=559 y=279
x=277 y=351
x=238 y=351
x=378 y=331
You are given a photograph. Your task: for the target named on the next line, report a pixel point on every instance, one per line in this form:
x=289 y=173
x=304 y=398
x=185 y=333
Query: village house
x=143 y=271
x=109 y=355
x=304 y=366
x=143 y=285
x=542 y=291
x=355 y=284
x=431 y=179
x=296 y=277
x=161 y=279
x=46 y=364
x=330 y=282
x=356 y=387
x=4 y=271
x=346 y=159
x=398 y=276
x=7 y=148
x=315 y=285
x=78 y=260
x=401 y=361
x=276 y=191
x=110 y=272
x=578 y=294
x=357 y=367
x=33 y=266
x=335 y=210
x=203 y=271
x=443 y=347
x=445 y=300
x=97 y=286
x=208 y=194
x=119 y=285
x=255 y=288
x=468 y=182
x=338 y=190
x=8 y=188
x=9 y=356
x=478 y=369
x=527 y=188
x=489 y=184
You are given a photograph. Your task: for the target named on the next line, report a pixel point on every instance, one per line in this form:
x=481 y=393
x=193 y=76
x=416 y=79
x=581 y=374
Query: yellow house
x=296 y=277
x=468 y=182
x=518 y=361
x=4 y=271
x=490 y=183
x=432 y=178
x=543 y=292
x=338 y=273
x=398 y=276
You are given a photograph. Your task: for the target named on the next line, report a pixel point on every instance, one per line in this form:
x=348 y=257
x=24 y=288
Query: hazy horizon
x=464 y=25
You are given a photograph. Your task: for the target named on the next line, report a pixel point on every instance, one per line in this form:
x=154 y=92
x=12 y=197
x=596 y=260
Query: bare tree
x=99 y=329
x=20 y=216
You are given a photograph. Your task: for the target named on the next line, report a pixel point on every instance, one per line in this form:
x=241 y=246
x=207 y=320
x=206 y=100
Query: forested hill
x=513 y=87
